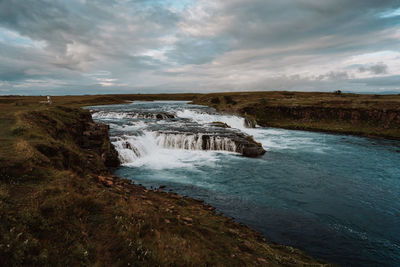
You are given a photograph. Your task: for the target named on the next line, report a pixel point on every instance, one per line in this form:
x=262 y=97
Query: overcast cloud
x=158 y=46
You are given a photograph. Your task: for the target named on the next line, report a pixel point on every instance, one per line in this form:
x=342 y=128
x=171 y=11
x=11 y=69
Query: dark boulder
x=253 y=151
x=249 y=123
x=249 y=148
x=163 y=116
x=96 y=138
x=225 y=140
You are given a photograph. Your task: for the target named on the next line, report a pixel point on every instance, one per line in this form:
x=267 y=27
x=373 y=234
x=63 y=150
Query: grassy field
x=55 y=210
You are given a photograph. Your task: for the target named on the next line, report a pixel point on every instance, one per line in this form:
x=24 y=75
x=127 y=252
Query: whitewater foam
x=195 y=142
x=133 y=148
x=150 y=150
x=131 y=127
x=205 y=118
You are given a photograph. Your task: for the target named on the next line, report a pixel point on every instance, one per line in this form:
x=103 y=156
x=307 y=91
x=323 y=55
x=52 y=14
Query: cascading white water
x=112 y=115
x=204 y=118
x=180 y=141
x=132 y=148
x=153 y=135
x=195 y=142
x=106 y=115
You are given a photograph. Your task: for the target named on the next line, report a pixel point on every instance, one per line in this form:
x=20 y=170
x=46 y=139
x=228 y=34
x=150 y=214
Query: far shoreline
x=365 y=115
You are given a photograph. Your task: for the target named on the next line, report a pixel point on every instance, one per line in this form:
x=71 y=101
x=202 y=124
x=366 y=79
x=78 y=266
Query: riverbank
x=362 y=115
x=58 y=198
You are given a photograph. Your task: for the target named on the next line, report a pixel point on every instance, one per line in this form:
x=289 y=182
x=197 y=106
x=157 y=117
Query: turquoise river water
x=336 y=197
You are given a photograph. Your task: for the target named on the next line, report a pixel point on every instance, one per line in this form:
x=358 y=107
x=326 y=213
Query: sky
x=61 y=47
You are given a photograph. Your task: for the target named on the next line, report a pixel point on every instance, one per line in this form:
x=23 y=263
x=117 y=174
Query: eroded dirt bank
x=365 y=115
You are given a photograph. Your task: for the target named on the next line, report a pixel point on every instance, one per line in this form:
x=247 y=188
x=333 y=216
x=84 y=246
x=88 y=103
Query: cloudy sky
x=157 y=46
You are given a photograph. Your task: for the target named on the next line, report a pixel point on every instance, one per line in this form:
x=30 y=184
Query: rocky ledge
x=244 y=144
x=95 y=138
x=69 y=139
x=216 y=139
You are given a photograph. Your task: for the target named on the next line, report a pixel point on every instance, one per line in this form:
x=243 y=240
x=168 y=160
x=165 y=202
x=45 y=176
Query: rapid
x=336 y=197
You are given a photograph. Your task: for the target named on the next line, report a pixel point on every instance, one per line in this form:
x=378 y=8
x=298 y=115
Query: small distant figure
x=48 y=102
x=338 y=92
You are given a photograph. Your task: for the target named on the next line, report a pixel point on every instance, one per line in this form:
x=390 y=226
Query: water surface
x=336 y=197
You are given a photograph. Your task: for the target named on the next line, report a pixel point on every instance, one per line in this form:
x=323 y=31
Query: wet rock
x=249 y=123
x=253 y=151
x=96 y=138
x=163 y=116
x=248 y=147
x=219 y=124
x=234 y=142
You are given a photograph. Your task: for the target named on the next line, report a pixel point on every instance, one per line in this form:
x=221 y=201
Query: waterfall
x=130 y=115
x=195 y=142
x=132 y=148
x=101 y=115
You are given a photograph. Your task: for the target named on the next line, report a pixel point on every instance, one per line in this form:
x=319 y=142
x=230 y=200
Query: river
x=336 y=197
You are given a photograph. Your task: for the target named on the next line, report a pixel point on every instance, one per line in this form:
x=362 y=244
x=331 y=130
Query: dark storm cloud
x=379 y=68
x=258 y=23
x=163 y=45
x=340 y=75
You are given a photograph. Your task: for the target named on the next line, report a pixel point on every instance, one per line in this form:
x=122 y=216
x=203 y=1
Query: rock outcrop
x=364 y=115
x=219 y=124
x=378 y=117
x=96 y=138
x=251 y=149
x=243 y=144
x=224 y=140
x=163 y=116
x=249 y=123
x=68 y=133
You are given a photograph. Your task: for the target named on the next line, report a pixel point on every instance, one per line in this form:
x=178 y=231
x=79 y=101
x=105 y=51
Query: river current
x=336 y=197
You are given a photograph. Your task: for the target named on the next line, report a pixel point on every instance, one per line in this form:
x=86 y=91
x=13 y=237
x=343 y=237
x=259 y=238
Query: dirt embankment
x=59 y=205
x=373 y=116
x=368 y=122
